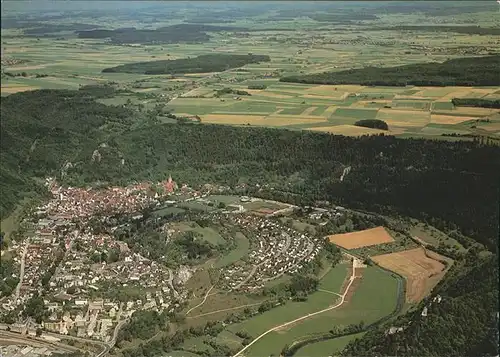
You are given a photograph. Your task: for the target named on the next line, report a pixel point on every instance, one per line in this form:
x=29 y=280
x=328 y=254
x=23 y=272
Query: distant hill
x=181 y=33
x=475 y=71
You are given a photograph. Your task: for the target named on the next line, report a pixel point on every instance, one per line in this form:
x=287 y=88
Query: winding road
x=342 y=299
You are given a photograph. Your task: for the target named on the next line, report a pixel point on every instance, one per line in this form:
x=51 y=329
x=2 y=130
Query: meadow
x=328 y=347
x=374 y=298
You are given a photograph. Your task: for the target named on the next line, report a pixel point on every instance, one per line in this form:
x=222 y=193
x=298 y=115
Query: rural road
x=21 y=273
x=201 y=303
x=342 y=299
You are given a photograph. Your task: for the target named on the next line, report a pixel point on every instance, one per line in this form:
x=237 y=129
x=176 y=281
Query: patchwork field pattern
x=422 y=270
x=365 y=238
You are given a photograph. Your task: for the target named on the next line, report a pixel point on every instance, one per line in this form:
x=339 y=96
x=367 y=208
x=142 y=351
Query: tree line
x=476 y=102
x=472 y=71
x=200 y=64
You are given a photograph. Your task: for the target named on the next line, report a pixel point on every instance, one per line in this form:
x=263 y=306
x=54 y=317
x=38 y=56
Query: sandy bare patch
x=17 y=89
x=419 y=269
x=364 y=238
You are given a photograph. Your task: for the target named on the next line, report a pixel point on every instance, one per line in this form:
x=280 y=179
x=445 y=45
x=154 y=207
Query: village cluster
x=276 y=250
x=77 y=281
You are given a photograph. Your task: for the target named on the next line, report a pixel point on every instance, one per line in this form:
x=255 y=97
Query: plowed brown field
x=360 y=239
x=422 y=271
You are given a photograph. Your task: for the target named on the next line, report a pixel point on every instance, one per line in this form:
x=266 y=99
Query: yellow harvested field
x=17 y=89
x=329 y=89
x=491 y=127
x=470 y=93
x=475 y=111
x=366 y=238
x=348 y=130
x=260 y=120
x=198 y=74
x=27 y=68
x=404 y=118
x=422 y=270
x=309 y=110
x=339 y=96
x=218 y=112
x=448 y=119
x=274 y=95
x=197 y=91
x=367 y=103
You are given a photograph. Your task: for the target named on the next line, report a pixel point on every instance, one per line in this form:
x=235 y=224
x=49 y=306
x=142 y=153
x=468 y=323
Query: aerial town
x=84 y=275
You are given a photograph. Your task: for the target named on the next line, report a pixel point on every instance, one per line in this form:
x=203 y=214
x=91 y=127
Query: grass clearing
x=197 y=344
x=209 y=234
x=326 y=348
x=374 y=298
x=333 y=280
x=434 y=236
x=242 y=247
x=357 y=113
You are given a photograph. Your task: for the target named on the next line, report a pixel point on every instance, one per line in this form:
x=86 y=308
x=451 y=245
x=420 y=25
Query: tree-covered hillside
x=475 y=71
x=200 y=64
x=42 y=130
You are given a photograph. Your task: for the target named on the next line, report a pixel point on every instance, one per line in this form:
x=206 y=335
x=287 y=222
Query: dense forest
x=181 y=33
x=475 y=71
x=200 y=64
x=476 y=102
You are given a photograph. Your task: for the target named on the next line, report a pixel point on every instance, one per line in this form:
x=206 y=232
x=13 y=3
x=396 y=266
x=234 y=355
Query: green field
x=242 y=246
x=374 y=298
x=333 y=280
x=209 y=234
x=180 y=354
x=327 y=348
x=356 y=113
x=292 y=310
x=197 y=344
